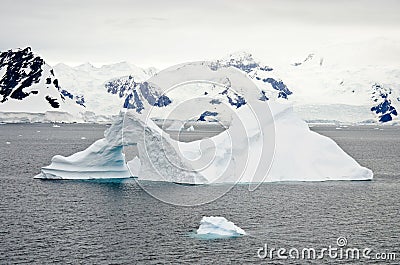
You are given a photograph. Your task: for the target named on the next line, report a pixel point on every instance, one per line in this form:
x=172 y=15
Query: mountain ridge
x=29 y=84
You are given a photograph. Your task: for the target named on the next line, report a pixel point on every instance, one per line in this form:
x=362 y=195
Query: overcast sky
x=164 y=32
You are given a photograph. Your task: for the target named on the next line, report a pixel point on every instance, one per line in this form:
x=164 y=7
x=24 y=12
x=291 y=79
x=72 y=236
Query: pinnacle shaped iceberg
x=299 y=155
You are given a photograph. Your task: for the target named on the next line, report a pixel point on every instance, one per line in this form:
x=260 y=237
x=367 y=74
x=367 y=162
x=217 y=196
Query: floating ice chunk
x=218 y=227
x=83 y=138
x=8 y=143
x=190 y=129
x=56 y=126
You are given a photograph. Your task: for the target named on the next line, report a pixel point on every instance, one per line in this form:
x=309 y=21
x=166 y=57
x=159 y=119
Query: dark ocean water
x=76 y=222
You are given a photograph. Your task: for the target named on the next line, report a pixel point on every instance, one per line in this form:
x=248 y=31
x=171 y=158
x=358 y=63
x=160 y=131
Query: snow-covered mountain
x=90 y=81
x=265 y=76
x=29 y=85
x=138 y=95
x=320 y=90
x=330 y=85
x=336 y=85
x=348 y=83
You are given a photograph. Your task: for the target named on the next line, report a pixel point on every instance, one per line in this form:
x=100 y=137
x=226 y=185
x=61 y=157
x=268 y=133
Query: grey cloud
x=159 y=31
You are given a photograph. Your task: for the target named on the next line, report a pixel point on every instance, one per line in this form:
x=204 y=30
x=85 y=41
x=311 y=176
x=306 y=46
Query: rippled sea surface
x=118 y=223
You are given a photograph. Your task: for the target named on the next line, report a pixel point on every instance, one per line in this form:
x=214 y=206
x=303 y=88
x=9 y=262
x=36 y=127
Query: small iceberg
x=215 y=227
x=56 y=126
x=190 y=129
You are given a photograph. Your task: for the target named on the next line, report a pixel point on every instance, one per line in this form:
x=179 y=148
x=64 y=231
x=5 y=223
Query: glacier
x=213 y=227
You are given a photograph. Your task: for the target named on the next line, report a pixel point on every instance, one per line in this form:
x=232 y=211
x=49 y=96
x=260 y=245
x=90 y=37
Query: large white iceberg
x=299 y=155
x=218 y=227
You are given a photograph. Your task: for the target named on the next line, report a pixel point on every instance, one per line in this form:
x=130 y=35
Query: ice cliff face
x=28 y=84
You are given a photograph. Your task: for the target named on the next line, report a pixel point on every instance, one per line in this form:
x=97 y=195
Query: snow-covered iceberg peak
x=213 y=227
